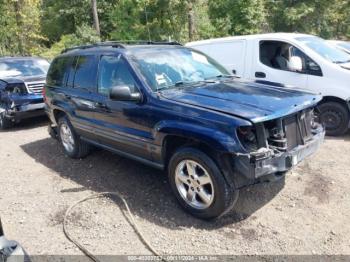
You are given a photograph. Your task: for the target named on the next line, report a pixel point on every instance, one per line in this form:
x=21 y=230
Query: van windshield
x=325 y=49
x=173 y=67
x=345 y=45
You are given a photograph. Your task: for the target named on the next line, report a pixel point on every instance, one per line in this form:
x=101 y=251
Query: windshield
x=325 y=49
x=168 y=68
x=345 y=45
x=23 y=67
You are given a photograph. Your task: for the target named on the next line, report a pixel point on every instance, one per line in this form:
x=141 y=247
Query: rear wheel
x=198 y=184
x=73 y=146
x=335 y=117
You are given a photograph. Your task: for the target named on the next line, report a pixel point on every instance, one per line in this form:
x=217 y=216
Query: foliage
x=328 y=19
x=238 y=17
x=148 y=19
x=20 y=26
x=47 y=26
x=84 y=35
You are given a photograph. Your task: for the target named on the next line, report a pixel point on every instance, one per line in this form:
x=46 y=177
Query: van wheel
x=198 y=184
x=335 y=117
x=72 y=145
x=4 y=122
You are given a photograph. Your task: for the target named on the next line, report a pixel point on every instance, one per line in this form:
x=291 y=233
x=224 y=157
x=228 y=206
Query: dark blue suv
x=177 y=109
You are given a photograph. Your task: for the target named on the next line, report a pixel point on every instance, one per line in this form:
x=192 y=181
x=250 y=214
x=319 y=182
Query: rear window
x=60 y=70
x=86 y=72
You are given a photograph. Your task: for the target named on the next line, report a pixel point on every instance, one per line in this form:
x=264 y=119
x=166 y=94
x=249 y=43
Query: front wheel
x=198 y=184
x=4 y=122
x=335 y=117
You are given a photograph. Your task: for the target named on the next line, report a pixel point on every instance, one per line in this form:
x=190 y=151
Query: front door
x=271 y=63
x=122 y=125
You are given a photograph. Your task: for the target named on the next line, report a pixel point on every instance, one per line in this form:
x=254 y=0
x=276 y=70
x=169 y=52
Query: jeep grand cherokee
x=177 y=109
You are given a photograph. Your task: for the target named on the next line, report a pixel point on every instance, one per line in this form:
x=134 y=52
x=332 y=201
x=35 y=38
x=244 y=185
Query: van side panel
x=231 y=54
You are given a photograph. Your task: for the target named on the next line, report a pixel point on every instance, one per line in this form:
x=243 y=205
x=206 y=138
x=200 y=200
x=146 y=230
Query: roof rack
x=111 y=44
x=145 y=42
x=120 y=44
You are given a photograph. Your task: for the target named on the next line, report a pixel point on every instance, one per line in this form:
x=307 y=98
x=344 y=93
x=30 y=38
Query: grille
x=35 y=88
x=292 y=132
x=298 y=129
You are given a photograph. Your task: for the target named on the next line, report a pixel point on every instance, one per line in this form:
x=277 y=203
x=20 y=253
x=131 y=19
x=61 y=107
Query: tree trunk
x=18 y=11
x=191 y=23
x=95 y=16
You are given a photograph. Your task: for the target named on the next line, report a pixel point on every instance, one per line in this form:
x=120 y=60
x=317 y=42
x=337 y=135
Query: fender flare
x=217 y=140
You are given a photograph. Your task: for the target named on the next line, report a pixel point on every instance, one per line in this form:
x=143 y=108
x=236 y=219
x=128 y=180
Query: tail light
x=44 y=93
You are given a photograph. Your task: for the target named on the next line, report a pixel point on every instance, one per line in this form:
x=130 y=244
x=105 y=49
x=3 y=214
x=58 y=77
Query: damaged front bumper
x=19 y=112
x=255 y=166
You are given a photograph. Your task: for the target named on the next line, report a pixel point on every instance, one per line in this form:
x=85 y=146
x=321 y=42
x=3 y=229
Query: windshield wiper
x=226 y=76
x=182 y=84
x=222 y=77
x=341 y=62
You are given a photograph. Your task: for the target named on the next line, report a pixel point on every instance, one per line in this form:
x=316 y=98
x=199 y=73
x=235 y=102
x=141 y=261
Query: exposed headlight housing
x=247 y=137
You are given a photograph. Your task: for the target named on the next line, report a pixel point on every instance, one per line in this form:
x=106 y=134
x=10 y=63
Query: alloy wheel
x=194 y=184
x=67 y=137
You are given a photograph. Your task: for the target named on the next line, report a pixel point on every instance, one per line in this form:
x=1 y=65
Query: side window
x=309 y=66
x=86 y=72
x=59 y=71
x=114 y=71
x=277 y=54
x=71 y=71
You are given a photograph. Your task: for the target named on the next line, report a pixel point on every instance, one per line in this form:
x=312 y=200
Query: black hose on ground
x=130 y=219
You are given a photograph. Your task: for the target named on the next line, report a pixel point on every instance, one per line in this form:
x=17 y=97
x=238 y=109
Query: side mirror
x=295 y=64
x=123 y=93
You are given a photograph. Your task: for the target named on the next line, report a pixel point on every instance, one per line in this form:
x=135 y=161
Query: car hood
x=250 y=100
x=19 y=79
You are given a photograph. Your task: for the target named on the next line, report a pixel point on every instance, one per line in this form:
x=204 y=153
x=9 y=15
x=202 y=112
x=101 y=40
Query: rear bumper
x=254 y=167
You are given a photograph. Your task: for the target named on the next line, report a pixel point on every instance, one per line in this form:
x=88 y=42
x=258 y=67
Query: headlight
x=247 y=137
x=16 y=89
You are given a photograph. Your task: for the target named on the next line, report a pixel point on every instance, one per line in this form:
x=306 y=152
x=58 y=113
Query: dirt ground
x=307 y=213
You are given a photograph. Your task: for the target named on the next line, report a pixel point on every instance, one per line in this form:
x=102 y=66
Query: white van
x=299 y=60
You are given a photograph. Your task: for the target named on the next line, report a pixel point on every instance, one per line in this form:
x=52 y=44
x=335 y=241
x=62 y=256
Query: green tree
x=328 y=19
x=238 y=17
x=149 y=19
x=20 y=26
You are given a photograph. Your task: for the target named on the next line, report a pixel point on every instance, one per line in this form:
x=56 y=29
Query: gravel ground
x=307 y=213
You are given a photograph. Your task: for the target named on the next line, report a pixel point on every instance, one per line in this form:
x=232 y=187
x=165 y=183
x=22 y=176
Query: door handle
x=102 y=106
x=260 y=75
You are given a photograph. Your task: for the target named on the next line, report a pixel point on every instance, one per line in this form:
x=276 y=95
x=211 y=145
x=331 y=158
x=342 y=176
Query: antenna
x=149 y=34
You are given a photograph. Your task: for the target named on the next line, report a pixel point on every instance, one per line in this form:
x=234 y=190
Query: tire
x=335 y=117
x=4 y=122
x=72 y=145
x=220 y=197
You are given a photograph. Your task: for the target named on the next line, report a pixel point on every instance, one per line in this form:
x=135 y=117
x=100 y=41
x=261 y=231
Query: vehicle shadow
x=145 y=189
x=28 y=124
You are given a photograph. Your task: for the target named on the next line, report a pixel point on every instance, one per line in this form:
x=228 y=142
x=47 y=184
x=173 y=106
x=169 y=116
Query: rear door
x=81 y=86
x=270 y=63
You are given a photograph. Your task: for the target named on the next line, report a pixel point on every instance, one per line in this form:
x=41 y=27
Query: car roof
x=113 y=48
x=272 y=36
